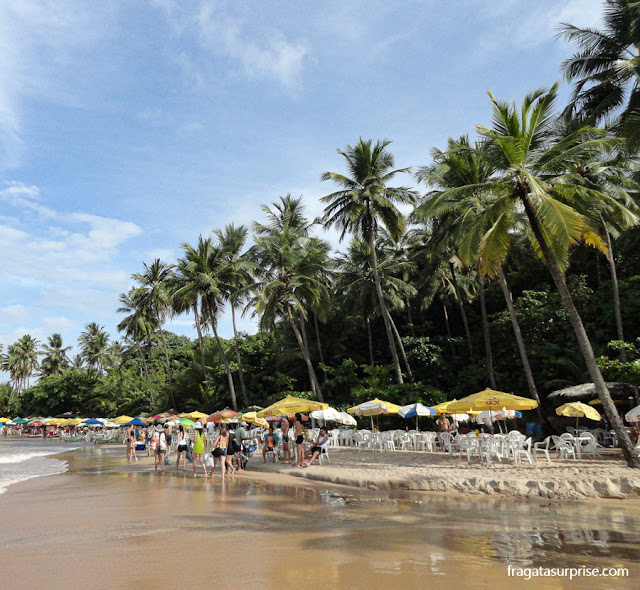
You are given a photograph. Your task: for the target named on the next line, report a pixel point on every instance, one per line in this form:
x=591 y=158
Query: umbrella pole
x=417 y=427
x=371 y=422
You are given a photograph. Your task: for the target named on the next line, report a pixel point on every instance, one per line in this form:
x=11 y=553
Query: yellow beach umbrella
x=578 y=410
x=75 y=421
x=291 y=405
x=490 y=399
x=3 y=420
x=374 y=407
x=252 y=418
x=122 y=419
x=195 y=415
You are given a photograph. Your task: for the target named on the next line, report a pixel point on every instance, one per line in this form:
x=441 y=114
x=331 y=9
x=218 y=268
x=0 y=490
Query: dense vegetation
x=516 y=267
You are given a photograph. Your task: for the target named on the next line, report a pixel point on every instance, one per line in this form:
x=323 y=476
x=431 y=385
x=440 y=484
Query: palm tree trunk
x=485 y=330
x=410 y=316
x=166 y=356
x=200 y=340
x=616 y=292
x=305 y=354
x=608 y=406
x=524 y=357
x=385 y=313
x=448 y=328
x=243 y=386
x=227 y=366
x=463 y=313
x=320 y=354
x=401 y=347
x=305 y=342
x=368 y=325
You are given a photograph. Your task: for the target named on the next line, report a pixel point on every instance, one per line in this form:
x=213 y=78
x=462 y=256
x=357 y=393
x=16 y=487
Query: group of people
x=225 y=446
x=302 y=458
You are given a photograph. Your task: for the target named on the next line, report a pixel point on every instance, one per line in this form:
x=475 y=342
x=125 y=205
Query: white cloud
x=19 y=195
x=268 y=56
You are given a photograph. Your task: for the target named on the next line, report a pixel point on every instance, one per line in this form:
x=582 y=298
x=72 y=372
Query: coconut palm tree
x=94 y=346
x=365 y=203
x=531 y=166
x=21 y=361
x=606 y=69
x=238 y=279
x=153 y=297
x=55 y=360
x=291 y=272
x=138 y=326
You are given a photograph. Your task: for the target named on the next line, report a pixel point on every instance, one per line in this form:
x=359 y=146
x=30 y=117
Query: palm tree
x=138 y=326
x=94 y=346
x=199 y=287
x=55 y=361
x=21 y=361
x=238 y=278
x=356 y=281
x=152 y=295
x=291 y=272
x=606 y=69
x=364 y=203
x=531 y=167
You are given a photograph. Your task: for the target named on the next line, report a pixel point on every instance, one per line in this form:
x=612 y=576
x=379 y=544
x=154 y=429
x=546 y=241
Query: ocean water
x=26 y=459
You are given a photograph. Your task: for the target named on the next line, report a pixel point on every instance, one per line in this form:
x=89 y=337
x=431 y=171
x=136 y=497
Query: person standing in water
x=127 y=441
x=198 y=448
x=183 y=447
x=219 y=451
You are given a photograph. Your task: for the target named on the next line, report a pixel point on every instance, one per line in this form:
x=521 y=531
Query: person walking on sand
x=133 y=435
x=320 y=447
x=183 y=447
x=198 y=448
x=219 y=451
x=231 y=451
x=127 y=441
x=160 y=448
x=284 y=426
x=298 y=431
x=241 y=435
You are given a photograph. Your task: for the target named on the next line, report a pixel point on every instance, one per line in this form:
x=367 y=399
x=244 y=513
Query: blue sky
x=129 y=127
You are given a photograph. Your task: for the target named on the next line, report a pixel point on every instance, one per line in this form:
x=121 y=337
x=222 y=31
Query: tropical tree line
x=537 y=209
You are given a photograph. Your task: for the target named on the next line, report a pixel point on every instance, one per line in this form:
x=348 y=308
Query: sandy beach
x=562 y=480
x=109 y=524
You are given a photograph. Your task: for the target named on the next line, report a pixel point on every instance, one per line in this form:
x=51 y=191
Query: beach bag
x=163 y=442
x=208 y=461
x=167 y=461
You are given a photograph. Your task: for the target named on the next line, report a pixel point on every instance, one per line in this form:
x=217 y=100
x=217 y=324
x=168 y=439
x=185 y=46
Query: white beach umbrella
x=347 y=419
x=633 y=415
x=460 y=417
x=325 y=415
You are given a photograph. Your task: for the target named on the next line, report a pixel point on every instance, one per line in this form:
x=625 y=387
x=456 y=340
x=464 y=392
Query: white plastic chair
x=543 y=447
x=524 y=450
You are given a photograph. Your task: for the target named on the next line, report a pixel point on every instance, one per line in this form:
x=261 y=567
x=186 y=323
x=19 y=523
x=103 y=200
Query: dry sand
x=439 y=472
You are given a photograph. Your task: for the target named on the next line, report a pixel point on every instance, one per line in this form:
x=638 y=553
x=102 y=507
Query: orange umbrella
x=222 y=416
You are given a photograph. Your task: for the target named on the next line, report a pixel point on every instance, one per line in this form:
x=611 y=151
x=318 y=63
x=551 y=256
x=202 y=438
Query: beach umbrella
x=186 y=422
x=374 y=407
x=578 y=410
x=36 y=423
x=122 y=419
x=20 y=420
x=225 y=415
x=443 y=408
x=291 y=405
x=490 y=399
x=326 y=415
x=195 y=415
x=415 y=410
x=460 y=417
x=633 y=415
x=3 y=420
x=93 y=421
x=133 y=422
x=253 y=418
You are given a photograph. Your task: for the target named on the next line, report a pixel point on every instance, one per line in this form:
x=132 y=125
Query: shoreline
x=434 y=474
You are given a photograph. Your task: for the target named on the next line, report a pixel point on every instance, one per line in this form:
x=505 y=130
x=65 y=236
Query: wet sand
x=106 y=524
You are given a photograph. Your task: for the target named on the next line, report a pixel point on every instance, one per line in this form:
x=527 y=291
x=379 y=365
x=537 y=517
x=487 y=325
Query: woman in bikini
x=299 y=434
x=183 y=446
x=220 y=450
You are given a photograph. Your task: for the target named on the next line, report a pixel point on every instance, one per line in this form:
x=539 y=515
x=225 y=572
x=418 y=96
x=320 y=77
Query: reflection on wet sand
x=310 y=536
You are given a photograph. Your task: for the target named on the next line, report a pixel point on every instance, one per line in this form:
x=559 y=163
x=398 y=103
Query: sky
x=128 y=127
